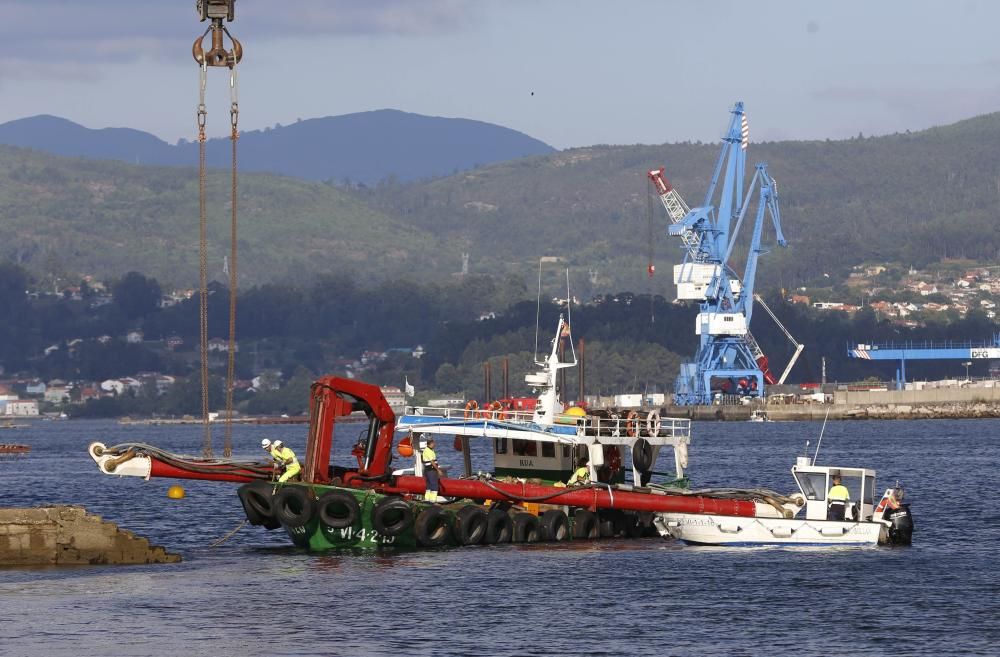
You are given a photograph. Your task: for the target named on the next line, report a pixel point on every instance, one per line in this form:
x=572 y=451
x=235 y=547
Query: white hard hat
x=265 y=443
x=277 y=443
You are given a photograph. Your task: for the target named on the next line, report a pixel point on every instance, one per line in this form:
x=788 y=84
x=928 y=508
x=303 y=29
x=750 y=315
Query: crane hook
x=217 y=11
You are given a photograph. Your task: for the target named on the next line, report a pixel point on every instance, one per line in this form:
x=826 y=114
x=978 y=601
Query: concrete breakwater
x=870 y=411
x=68 y=535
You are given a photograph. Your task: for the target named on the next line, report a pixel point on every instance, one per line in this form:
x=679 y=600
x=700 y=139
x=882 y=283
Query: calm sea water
x=254 y=595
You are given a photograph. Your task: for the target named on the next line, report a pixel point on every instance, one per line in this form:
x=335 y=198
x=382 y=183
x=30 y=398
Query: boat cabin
x=815 y=482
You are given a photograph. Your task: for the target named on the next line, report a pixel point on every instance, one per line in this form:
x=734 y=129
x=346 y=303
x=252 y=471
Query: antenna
x=538 y=307
x=569 y=316
x=820 y=441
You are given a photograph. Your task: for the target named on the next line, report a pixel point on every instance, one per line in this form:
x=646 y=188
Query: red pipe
x=591 y=498
x=161 y=469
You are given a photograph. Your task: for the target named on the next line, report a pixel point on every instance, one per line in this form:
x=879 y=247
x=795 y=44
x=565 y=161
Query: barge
x=369 y=504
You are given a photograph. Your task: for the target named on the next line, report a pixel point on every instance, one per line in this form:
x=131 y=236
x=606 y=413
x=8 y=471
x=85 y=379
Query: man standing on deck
x=285 y=457
x=432 y=471
x=582 y=473
x=837 y=500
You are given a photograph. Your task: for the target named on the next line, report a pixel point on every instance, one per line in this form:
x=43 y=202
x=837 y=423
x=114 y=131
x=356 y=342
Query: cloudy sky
x=569 y=72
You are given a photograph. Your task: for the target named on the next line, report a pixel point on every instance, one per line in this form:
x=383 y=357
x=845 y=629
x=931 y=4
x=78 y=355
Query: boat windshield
x=813 y=484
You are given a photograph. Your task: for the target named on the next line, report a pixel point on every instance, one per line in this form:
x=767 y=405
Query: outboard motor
x=900 y=531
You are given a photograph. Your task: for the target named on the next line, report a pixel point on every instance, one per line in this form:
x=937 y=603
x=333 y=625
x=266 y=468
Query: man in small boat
x=284 y=457
x=837 y=500
x=432 y=470
x=582 y=473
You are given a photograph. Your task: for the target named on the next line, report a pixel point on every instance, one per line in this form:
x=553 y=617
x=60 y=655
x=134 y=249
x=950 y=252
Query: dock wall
x=68 y=535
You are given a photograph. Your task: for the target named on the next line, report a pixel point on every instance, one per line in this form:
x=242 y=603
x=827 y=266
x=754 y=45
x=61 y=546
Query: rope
x=206 y=446
x=234 y=113
x=229 y=535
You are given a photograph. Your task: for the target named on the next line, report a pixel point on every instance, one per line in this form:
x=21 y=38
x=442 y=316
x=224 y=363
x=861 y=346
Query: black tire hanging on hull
x=432 y=527
x=338 y=509
x=554 y=525
x=585 y=525
x=294 y=506
x=499 y=527
x=470 y=525
x=526 y=528
x=258 y=504
x=392 y=516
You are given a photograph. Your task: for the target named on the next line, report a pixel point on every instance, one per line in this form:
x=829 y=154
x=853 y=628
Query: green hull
x=315 y=536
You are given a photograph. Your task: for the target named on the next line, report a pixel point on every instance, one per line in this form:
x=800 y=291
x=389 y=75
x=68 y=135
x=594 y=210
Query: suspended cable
x=217 y=11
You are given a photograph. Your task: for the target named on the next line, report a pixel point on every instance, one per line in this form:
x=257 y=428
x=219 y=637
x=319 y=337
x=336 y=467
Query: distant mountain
x=911 y=199
x=66 y=216
x=365 y=147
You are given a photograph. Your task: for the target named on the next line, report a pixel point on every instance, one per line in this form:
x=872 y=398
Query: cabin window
x=565 y=451
x=524 y=447
x=500 y=445
x=813 y=484
x=869 y=490
x=549 y=450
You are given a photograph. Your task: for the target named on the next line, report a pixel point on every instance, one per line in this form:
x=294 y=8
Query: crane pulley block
x=217 y=55
x=217 y=9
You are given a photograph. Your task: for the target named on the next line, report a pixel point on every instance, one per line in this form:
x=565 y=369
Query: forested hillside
x=908 y=198
x=65 y=217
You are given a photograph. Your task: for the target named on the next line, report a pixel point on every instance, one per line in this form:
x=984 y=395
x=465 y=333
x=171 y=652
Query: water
x=254 y=595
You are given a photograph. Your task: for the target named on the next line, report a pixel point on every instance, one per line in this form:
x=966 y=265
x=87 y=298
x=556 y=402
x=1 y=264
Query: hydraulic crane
x=728 y=360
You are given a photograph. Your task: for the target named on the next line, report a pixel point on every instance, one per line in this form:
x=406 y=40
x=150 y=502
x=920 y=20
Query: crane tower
x=729 y=360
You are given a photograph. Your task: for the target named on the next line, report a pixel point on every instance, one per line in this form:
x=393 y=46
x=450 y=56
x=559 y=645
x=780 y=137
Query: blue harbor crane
x=729 y=361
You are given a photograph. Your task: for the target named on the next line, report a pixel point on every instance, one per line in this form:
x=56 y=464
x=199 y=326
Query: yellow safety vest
x=839 y=493
x=582 y=474
x=285 y=456
x=428 y=457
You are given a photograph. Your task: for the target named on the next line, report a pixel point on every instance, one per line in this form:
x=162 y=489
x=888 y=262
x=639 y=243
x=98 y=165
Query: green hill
x=65 y=216
x=910 y=198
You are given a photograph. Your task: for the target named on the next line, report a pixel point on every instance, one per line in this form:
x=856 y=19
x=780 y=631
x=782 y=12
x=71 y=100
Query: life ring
x=525 y=528
x=653 y=424
x=554 y=525
x=392 y=516
x=258 y=504
x=642 y=455
x=631 y=423
x=432 y=527
x=338 y=509
x=294 y=506
x=496 y=410
x=470 y=524
x=499 y=527
x=585 y=524
x=471 y=407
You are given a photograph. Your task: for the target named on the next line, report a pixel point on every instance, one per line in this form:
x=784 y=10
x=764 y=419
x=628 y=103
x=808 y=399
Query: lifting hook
x=217 y=11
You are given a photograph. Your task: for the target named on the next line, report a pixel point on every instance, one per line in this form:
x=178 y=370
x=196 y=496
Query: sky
x=569 y=72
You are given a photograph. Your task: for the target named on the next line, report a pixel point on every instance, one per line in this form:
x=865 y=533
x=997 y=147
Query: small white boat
x=801 y=518
x=758 y=415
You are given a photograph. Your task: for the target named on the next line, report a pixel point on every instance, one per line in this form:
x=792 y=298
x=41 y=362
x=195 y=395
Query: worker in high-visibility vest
x=432 y=470
x=285 y=458
x=582 y=473
x=837 y=500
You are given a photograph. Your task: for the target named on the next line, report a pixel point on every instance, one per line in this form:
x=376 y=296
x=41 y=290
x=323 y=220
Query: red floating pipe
x=591 y=498
x=224 y=473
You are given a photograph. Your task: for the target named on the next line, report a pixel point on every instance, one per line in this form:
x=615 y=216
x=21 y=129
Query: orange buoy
x=405 y=447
